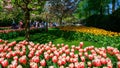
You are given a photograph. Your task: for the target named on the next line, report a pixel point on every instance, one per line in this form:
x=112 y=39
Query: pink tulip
x=71 y=65
x=118 y=64
x=109 y=65
x=67 y=51
x=1 y=60
x=82 y=65
x=43 y=63
x=103 y=60
x=86 y=54
x=67 y=58
x=23 y=60
x=36 y=59
x=46 y=56
x=82 y=59
x=14 y=64
x=54 y=59
x=89 y=64
x=80 y=54
x=15 y=58
x=77 y=65
x=96 y=62
x=59 y=62
x=33 y=65
x=81 y=44
x=8 y=55
x=71 y=54
x=4 y=63
x=90 y=57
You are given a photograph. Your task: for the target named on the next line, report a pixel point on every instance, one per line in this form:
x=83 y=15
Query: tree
x=62 y=8
x=26 y=6
x=113 y=5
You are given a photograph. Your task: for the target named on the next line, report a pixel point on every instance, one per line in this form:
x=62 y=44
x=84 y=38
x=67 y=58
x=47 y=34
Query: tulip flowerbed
x=30 y=55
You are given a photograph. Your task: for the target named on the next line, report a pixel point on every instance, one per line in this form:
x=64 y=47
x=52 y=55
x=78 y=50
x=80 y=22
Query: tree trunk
x=113 y=5
x=101 y=10
x=27 y=26
x=60 y=21
x=108 y=9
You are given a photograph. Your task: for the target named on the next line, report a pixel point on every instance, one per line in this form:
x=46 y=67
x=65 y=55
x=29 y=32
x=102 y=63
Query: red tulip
x=54 y=59
x=1 y=40
x=43 y=63
x=4 y=63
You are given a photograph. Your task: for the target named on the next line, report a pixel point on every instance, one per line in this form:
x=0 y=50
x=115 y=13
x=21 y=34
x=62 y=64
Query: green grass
x=46 y=37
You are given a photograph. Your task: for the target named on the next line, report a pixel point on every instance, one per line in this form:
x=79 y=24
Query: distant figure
x=14 y=25
x=20 y=24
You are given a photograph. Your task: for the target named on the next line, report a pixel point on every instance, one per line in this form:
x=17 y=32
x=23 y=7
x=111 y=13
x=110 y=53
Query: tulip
x=4 y=63
x=1 y=60
x=67 y=51
x=89 y=64
x=23 y=60
x=8 y=55
x=15 y=58
x=86 y=54
x=63 y=61
x=47 y=57
x=81 y=44
x=82 y=59
x=118 y=64
x=33 y=65
x=59 y=62
x=19 y=66
x=67 y=58
x=43 y=63
x=1 y=40
x=77 y=65
x=36 y=59
x=54 y=59
x=103 y=60
x=71 y=54
x=90 y=57
x=82 y=65
x=96 y=62
x=71 y=65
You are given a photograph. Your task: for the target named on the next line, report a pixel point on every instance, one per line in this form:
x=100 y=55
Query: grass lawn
x=46 y=37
